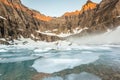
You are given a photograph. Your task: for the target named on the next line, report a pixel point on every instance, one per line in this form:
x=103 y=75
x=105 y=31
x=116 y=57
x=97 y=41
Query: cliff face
x=16 y=20
x=69 y=22
x=102 y=18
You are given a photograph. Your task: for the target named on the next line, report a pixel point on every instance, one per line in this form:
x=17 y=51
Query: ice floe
x=63 y=61
x=3 y=50
x=16 y=59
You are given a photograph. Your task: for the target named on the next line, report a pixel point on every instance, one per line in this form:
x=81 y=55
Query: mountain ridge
x=88 y=5
x=18 y=20
x=18 y=5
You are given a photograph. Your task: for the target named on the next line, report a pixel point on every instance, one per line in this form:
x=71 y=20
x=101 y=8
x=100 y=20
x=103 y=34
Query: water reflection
x=81 y=76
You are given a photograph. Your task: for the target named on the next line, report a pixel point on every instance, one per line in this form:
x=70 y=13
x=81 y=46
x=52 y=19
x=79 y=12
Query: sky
x=55 y=8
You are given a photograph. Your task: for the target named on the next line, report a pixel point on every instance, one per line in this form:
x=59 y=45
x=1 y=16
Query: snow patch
x=3 y=39
x=33 y=36
x=55 y=29
x=64 y=34
x=47 y=33
x=75 y=31
x=118 y=16
x=3 y=17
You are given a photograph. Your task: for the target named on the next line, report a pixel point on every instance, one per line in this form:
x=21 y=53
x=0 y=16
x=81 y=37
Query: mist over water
x=110 y=37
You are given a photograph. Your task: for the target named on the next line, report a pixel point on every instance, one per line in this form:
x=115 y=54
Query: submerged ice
x=81 y=76
x=64 y=60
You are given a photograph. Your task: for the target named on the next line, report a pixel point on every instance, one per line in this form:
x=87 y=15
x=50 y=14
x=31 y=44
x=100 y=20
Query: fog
x=110 y=37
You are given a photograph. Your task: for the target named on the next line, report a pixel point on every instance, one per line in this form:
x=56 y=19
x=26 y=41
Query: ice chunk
x=3 y=50
x=53 y=64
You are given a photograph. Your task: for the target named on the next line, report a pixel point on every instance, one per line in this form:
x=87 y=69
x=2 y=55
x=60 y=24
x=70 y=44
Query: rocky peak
x=89 y=5
x=104 y=17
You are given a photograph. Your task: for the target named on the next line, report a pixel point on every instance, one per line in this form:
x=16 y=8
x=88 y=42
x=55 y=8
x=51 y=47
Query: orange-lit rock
x=72 y=13
x=41 y=17
x=5 y=2
x=23 y=8
x=89 y=5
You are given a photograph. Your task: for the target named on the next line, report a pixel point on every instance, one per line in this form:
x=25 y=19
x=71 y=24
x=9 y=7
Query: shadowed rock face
x=17 y=20
x=102 y=18
x=96 y=18
x=68 y=22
